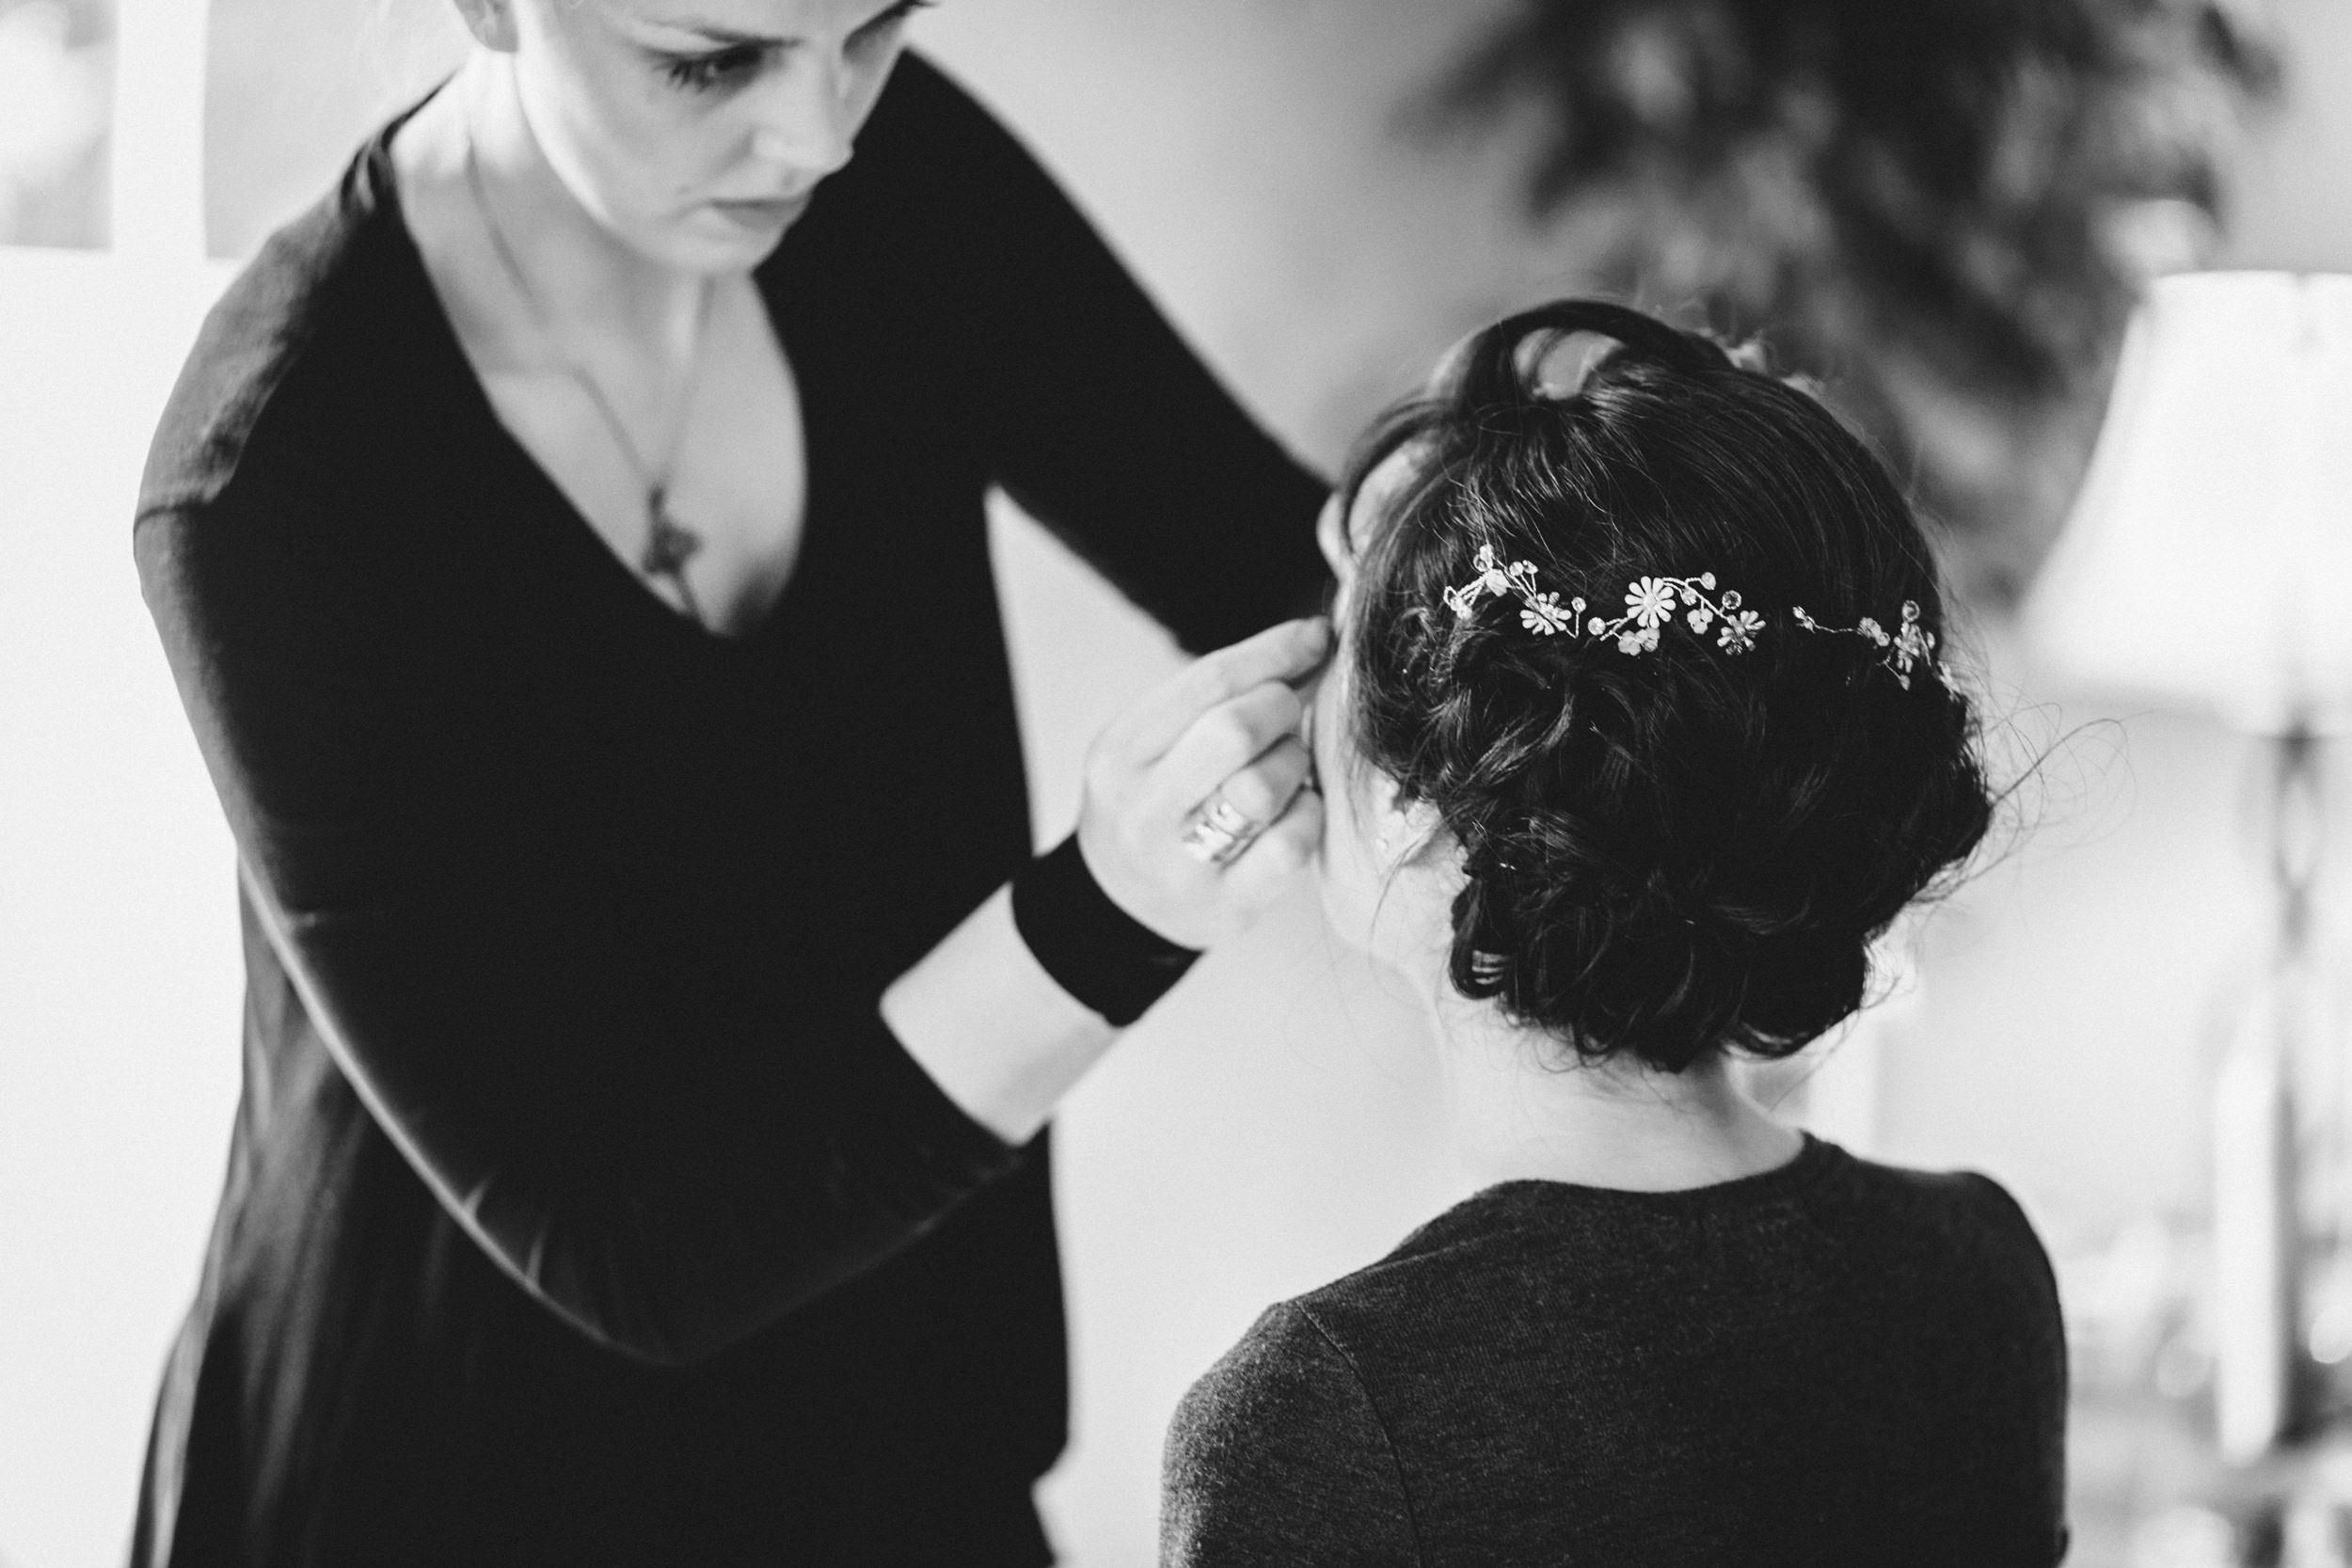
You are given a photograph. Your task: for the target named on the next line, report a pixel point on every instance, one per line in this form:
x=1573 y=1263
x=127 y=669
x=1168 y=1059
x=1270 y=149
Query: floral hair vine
x=1650 y=603
x=1908 y=644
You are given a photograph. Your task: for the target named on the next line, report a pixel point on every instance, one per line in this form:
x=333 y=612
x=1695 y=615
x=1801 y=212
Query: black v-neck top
x=580 y=1207
x=1835 y=1363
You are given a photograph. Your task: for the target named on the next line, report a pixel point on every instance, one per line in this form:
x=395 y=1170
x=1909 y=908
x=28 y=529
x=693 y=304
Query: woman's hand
x=999 y=1035
x=1196 y=810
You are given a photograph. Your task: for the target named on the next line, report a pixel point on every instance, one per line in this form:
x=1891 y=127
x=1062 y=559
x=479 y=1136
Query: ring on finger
x=1217 y=832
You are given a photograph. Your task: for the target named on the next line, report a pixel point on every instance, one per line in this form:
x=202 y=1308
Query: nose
x=805 y=124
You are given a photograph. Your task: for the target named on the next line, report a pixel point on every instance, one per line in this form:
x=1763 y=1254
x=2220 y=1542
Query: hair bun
x=1680 y=853
x=1492 y=370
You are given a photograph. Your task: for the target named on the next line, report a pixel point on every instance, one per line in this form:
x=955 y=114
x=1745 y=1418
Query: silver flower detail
x=1914 y=641
x=1650 y=600
x=1911 y=643
x=1543 y=616
x=1491 y=578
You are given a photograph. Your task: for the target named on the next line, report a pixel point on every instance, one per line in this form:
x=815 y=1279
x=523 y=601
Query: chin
x=700 y=244
x=727 y=254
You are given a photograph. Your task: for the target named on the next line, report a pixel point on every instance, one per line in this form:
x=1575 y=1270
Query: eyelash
x=708 y=73
x=702 y=72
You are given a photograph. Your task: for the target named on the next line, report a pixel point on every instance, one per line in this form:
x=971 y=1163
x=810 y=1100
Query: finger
x=1277 y=854
x=1261 y=790
x=1223 y=741
x=1287 y=652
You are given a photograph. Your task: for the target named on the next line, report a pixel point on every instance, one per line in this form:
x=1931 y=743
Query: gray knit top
x=1835 y=1363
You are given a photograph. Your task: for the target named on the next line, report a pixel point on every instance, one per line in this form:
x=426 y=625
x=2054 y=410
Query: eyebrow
x=726 y=36
x=717 y=32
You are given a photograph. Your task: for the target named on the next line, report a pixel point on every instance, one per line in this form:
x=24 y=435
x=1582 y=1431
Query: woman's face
x=1380 y=893
x=694 y=130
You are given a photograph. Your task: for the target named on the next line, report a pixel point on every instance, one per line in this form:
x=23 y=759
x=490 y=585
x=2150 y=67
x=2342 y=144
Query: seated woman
x=1637 y=735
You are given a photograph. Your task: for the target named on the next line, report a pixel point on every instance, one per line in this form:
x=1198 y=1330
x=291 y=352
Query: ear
x=491 y=22
x=1405 y=833
x=1332 y=536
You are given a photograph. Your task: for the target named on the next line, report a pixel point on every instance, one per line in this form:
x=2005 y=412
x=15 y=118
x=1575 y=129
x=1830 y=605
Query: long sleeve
x=1276 y=1456
x=1096 y=417
x=668 y=1156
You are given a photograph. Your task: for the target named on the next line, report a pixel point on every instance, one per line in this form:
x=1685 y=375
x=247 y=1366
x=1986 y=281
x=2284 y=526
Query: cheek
x=662 y=147
x=603 y=123
x=869 y=81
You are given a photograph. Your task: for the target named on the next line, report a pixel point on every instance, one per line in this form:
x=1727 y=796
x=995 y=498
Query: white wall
x=118 y=981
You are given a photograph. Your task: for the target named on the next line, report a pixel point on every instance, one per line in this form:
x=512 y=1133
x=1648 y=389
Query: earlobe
x=490 y=21
x=1402 y=830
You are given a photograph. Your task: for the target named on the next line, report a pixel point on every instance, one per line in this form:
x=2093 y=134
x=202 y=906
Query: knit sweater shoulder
x=1836 y=1362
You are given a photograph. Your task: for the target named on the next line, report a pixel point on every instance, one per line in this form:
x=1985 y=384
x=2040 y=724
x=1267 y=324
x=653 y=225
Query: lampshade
x=2208 y=563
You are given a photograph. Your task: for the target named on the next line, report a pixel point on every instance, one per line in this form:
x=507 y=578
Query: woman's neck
x=580 y=276
x=1519 y=1106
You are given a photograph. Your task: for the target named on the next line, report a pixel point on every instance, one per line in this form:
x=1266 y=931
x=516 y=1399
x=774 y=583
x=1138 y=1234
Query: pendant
x=669 y=544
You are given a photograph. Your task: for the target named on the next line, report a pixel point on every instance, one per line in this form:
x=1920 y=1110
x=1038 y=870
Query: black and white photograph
x=1175 y=784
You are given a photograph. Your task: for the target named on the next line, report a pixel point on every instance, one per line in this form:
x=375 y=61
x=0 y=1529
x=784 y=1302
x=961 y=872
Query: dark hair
x=1688 y=849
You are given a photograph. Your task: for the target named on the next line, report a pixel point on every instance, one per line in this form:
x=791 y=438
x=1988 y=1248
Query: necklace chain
x=669 y=544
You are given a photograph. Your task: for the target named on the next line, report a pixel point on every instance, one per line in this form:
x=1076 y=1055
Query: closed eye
x=733 y=63
x=715 y=68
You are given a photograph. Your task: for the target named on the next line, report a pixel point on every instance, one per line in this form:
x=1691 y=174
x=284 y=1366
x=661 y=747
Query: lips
x=762 y=212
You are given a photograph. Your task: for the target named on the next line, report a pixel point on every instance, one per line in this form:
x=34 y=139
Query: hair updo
x=1684 y=850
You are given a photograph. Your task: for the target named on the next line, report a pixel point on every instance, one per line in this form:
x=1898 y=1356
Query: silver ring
x=1217 y=832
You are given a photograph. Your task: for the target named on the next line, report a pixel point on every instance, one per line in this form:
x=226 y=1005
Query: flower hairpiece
x=1651 y=602
x=1541 y=613
x=1908 y=644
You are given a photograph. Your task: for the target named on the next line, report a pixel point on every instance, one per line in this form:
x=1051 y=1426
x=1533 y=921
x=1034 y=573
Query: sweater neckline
x=1814 y=1158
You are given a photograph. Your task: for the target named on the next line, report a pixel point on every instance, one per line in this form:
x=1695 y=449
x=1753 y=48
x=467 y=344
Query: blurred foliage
x=1943 y=208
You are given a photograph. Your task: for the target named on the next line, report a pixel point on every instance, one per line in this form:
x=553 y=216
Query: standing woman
x=568 y=540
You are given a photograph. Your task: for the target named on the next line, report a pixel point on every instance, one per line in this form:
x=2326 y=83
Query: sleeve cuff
x=927 y=1150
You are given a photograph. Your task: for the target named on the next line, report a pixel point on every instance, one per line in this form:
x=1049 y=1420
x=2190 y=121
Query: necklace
x=669 y=544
